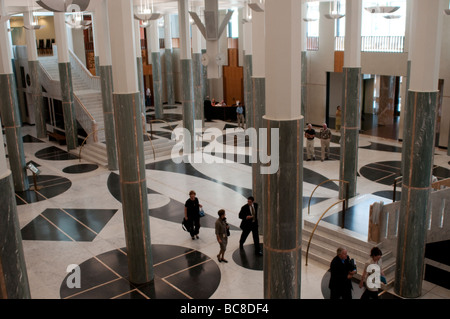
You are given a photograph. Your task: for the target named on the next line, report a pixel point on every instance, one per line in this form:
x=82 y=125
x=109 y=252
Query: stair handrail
x=317 y=224
x=158 y=120
x=151 y=143
x=331 y=180
x=94 y=80
x=84 y=141
x=397 y=180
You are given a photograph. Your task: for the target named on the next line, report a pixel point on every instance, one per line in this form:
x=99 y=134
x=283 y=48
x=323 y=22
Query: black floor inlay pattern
x=31 y=139
x=67 y=224
x=173 y=211
x=386 y=172
x=382 y=147
x=48 y=186
x=247 y=258
x=81 y=168
x=168 y=117
x=434 y=251
x=53 y=153
x=356 y=217
x=179 y=273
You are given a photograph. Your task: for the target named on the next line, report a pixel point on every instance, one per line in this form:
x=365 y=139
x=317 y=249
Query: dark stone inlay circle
x=80 y=168
x=49 y=186
x=179 y=273
x=247 y=258
x=54 y=153
x=386 y=172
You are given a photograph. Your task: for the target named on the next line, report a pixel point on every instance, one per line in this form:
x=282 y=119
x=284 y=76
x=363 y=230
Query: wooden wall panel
x=338 y=61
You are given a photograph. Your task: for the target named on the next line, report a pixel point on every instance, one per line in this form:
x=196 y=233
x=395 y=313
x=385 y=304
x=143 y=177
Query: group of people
x=325 y=138
x=342 y=270
x=249 y=224
x=239 y=110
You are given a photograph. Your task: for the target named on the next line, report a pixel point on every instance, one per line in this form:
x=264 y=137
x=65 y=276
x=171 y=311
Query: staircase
x=327 y=238
x=91 y=98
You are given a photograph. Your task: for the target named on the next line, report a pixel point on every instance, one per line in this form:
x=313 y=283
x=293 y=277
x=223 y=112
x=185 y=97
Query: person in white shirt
x=375 y=259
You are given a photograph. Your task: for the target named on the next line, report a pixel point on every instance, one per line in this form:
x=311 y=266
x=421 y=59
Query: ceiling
x=160 y=6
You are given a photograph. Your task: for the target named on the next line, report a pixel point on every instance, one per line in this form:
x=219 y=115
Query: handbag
x=228 y=230
x=185 y=225
x=201 y=212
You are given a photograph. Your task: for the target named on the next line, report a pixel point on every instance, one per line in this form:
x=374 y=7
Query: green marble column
x=248 y=89
x=283 y=214
x=157 y=85
x=13 y=272
x=188 y=104
x=197 y=74
x=133 y=186
x=108 y=115
x=417 y=164
x=348 y=169
x=9 y=111
x=254 y=117
x=205 y=79
x=97 y=65
x=140 y=72
x=304 y=82
x=38 y=102
x=168 y=56
x=70 y=117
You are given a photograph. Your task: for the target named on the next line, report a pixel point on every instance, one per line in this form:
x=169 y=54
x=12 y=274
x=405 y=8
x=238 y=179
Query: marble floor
x=75 y=218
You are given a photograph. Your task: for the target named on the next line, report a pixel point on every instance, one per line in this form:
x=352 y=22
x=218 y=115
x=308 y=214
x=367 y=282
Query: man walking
x=249 y=216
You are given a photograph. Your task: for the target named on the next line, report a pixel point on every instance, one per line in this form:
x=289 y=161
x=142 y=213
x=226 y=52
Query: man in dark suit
x=342 y=270
x=249 y=216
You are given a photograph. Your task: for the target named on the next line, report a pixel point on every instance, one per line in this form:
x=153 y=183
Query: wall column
x=418 y=146
x=283 y=120
x=33 y=65
x=351 y=99
x=248 y=68
x=65 y=75
x=106 y=80
x=156 y=69
x=186 y=75
x=168 y=59
x=9 y=111
x=130 y=143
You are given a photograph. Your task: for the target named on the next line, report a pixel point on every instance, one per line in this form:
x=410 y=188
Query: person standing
x=249 y=216
x=148 y=95
x=207 y=109
x=310 y=134
x=325 y=137
x=192 y=214
x=240 y=115
x=338 y=118
x=375 y=259
x=221 y=234
x=342 y=271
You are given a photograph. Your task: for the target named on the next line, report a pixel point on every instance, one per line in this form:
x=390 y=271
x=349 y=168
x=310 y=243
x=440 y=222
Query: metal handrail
x=84 y=141
x=330 y=180
x=395 y=187
x=317 y=224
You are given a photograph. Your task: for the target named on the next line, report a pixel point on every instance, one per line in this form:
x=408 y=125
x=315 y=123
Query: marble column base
x=70 y=116
x=417 y=164
x=130 y=145
x=108 y=115
x=9 y=111
x=348 y=169
x=13 y=272
x=169 y=77
x=36 y=91
x=283 y=213
x=157 y=85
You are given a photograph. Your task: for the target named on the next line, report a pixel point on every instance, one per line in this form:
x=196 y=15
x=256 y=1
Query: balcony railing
x=394 y=44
